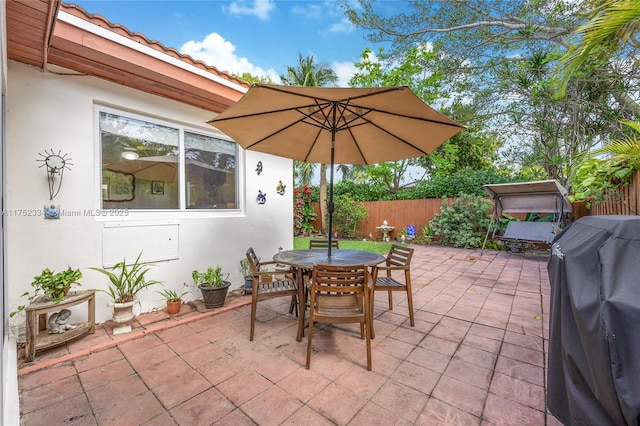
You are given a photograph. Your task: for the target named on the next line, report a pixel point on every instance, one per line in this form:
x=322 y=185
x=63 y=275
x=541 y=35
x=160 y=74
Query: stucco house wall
x=47 y=111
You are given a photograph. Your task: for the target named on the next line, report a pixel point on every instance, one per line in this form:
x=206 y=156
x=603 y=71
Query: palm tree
x=311 y=74
x=613 y=23
x=303 y=172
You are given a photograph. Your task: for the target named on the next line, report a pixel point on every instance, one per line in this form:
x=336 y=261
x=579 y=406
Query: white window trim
x=124 y=215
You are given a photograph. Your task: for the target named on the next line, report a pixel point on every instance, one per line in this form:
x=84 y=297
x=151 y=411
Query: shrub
x=463 y=224
x=303 y=213
x=453 y=185
x=346 y=215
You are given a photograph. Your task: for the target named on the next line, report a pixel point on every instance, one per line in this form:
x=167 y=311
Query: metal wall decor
x=262 y=197
x=259 y=168
x=280 y=188
x=55 y=165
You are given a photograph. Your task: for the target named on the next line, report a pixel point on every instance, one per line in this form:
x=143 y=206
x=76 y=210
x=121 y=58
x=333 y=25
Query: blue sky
x=261 y=37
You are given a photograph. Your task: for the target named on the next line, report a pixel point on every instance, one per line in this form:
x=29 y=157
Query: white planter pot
x=123 y=312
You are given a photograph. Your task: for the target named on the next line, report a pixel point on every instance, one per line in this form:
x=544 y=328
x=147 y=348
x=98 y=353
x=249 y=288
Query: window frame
x=124 y=214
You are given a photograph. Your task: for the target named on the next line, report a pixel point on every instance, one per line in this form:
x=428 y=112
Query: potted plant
x=52 y=285
x=125 y=282
x=213 y=284
x=266 y=277
x=245 y=269
x=173 y=299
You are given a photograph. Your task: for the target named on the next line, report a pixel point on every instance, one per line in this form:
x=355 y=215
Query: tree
x=252 y=79
x=309 y=73
x=474 y=148
x=503 y=53
x=613 y=26
x=412 y=70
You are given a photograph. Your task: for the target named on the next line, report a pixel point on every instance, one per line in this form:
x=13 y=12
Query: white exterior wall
x=46 y=111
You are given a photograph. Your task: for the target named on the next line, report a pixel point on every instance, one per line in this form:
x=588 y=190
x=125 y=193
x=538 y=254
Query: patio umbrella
x=335 y=125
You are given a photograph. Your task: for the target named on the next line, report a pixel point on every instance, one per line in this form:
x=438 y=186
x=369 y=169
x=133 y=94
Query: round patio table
x=306 y=259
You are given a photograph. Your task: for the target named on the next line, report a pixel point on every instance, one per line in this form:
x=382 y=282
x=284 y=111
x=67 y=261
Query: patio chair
x=340 y=295
x=262 y=290
x=320 y=244
x=398 y=259
x=317 y=244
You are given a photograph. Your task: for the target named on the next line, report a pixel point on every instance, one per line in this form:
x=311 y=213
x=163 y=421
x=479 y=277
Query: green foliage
x=360 y=191
x=412 y=69
x=303 y=212
x=346 y=215
x=53 y=285
x=171 y=295
x=514 y=94
x=252 y=79
x=212 y=277
x=468 y=182
x=126 y=281
x=596 y=179
x=423 y=237
x=309 y=73
x=302 y=243
x=245 y=268
x=439 y=186
x=463 y=224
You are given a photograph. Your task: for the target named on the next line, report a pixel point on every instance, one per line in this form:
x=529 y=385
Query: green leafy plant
x=171 y=295
x=212 y=277
x=126 y=281
x=424 y=238
x=596 y=180
x=463 y=223
x=53 y=285
x=267 y=275
x=245 y=269
x=347 y=214
x=303 y=212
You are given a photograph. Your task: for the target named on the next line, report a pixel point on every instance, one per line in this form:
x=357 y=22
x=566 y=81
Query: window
x=152 y=166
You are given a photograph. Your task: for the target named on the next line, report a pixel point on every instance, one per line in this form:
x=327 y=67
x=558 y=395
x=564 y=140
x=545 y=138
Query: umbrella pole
x=330 y=204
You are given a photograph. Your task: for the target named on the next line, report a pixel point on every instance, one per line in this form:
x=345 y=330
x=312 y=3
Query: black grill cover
x=593 y=376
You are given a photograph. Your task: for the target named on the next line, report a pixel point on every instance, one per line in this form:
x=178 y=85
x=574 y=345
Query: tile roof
x=47 y=33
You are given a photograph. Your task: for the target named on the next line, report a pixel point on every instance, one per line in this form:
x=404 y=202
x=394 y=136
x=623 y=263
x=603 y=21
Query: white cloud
x=215 y=51
x=342 y=27
x=259 y=8
x=344 y=70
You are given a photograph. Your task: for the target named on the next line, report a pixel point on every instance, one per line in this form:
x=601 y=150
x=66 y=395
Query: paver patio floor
x=476 y=355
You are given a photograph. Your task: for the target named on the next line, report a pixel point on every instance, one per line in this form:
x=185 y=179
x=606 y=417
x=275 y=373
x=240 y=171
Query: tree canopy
x=503 y=54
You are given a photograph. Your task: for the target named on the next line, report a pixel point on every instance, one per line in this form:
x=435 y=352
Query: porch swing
x=532 y=199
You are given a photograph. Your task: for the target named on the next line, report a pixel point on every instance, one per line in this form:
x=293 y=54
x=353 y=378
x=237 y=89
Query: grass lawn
x=373 y=246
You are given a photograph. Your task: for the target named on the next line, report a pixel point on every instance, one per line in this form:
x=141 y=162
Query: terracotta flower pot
x=174 y=307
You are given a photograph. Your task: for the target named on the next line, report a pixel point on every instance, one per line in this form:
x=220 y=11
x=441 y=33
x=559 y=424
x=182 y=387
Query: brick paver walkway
x=476 y=355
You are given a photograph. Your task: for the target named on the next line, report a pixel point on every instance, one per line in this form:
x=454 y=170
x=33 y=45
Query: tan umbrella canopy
x=335 y=125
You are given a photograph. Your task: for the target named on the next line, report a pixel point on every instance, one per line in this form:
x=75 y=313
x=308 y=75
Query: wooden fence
x=418 y=213
x=399 y=213
x=625 y=201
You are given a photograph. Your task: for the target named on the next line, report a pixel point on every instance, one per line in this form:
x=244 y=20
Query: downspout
x=54 y=6
x=52 y=18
